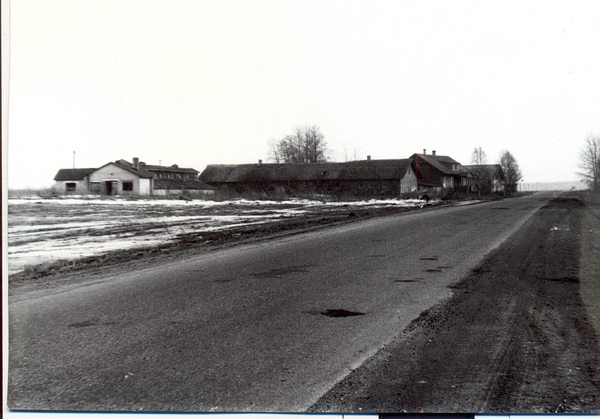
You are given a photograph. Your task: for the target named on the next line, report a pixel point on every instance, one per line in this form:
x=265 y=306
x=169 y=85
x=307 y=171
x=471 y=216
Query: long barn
x=365 y=178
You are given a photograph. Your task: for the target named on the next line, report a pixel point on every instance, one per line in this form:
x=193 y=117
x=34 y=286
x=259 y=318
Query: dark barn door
x=111 y=187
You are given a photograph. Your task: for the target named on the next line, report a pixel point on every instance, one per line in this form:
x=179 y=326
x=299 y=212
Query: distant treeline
x=551 y=186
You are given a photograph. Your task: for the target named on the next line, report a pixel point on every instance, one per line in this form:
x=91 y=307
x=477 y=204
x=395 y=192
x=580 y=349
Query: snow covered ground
x=47 y=230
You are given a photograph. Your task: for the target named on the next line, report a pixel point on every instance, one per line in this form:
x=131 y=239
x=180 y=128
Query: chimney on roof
x=433 y=152
x=136 y=163
x=424 y=151
x=368 y=158
x=259 y=161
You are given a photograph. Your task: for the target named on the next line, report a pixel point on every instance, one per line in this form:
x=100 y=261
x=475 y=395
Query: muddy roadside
x=84 y=269
x=519 y=334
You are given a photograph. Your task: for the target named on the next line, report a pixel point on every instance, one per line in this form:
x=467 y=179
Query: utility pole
x=73 y=160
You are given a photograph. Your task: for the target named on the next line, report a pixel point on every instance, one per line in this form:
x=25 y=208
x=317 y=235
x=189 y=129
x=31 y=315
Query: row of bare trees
x=590 y=162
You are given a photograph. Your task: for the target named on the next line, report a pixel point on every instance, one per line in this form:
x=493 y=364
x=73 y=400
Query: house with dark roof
x=72 y=181
x=366 y=178
x=439 y=174
x=487 y=178
x=124 y=178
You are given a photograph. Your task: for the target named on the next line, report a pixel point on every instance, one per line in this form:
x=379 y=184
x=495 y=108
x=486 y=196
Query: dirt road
x=519 y=334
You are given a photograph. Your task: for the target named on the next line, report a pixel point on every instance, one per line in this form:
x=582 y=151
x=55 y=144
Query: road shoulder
x=514 y=338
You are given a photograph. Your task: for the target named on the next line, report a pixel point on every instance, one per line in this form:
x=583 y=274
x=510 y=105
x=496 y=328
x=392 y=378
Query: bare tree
x=304 y=145
x=512 y=172
x=479 y=159
x=590 y=162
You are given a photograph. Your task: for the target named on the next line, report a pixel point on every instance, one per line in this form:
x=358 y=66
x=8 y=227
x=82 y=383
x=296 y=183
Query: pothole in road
x=433 y=270
x=222 y=281
x=430 y=258
x=87 y=323
x=279 y=272
x=564 y=279
x=92 y=322
x=84 y=324
x=341 y=313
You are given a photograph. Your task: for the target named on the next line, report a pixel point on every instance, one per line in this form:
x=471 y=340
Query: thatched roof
x=286 y=172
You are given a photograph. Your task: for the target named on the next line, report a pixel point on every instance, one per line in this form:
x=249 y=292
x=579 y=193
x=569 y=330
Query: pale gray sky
x=198 y=82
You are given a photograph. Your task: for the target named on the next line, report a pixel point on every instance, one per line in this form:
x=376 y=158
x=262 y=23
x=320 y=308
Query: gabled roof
x=441 y=163
x=72 y=174
x=181 y=184
x=285 y=172
x=124 y=164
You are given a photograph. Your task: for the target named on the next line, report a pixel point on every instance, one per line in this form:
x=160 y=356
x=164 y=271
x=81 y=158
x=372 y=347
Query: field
x=50 y=235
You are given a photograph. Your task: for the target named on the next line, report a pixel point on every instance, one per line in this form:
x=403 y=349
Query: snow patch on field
x=47 y=230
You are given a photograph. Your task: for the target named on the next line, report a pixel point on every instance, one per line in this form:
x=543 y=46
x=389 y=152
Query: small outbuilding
x=72 y=181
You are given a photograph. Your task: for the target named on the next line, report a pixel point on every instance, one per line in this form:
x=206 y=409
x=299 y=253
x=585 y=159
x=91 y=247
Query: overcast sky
x=195 y=82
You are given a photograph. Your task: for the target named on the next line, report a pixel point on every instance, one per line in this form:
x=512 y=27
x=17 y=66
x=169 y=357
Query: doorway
x=111 y=187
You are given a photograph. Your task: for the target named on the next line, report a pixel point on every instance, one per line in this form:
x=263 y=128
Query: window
x=96 y=187
x=71 y=186
x=127 y=186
